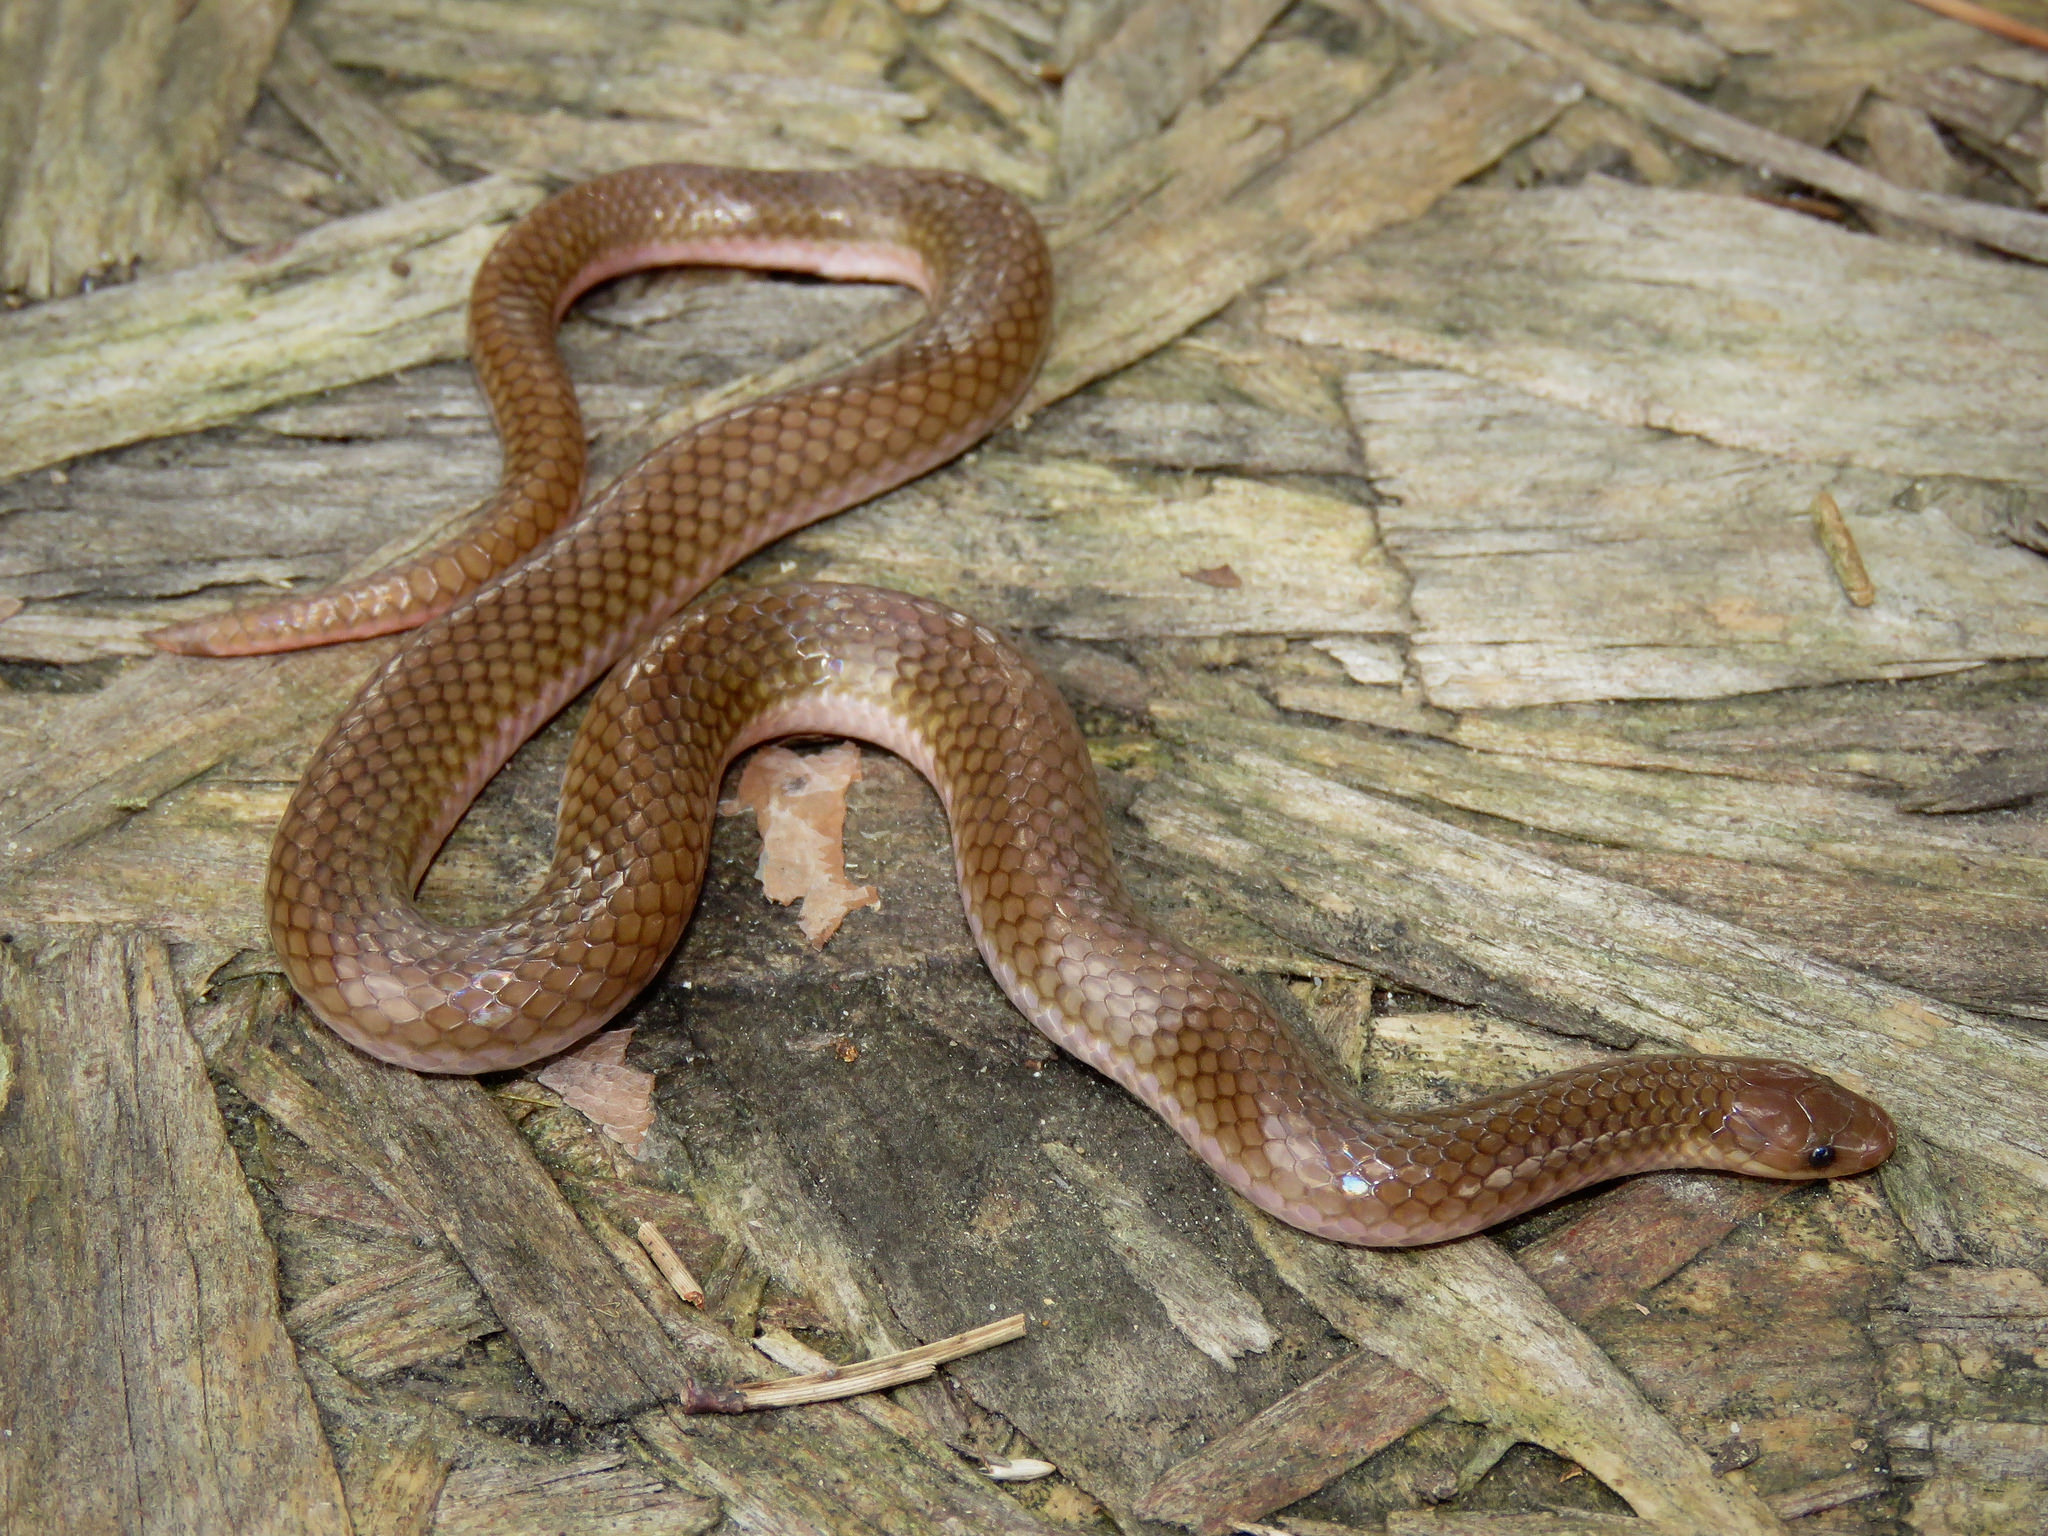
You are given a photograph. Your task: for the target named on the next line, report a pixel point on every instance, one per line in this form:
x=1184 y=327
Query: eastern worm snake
x=520 y=613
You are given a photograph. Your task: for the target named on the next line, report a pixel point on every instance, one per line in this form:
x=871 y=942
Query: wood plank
x=149 y=1383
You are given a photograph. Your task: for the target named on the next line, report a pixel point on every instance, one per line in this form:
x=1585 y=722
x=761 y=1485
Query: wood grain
x=136 y=1286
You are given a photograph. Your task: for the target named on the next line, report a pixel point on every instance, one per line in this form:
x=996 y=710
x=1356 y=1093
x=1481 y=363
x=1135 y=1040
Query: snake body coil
x=526 y=609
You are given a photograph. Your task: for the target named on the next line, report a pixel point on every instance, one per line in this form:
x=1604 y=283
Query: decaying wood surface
x=1539 y=507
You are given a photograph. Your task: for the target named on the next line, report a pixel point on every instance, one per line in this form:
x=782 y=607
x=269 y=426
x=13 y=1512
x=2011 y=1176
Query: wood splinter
x=670 y=1263
x=881 y=1372
x=1840 y=545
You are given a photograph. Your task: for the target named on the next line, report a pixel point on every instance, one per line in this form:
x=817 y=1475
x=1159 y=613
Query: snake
x=538 y=599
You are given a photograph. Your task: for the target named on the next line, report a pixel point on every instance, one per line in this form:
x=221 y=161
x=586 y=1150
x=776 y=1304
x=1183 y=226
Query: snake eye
x=1821 y=1157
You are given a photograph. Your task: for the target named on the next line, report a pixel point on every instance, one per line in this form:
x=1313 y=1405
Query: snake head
x=1784 y=1122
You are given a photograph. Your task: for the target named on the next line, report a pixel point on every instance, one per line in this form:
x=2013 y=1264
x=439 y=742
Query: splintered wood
x=1538 y=507
x=137 y=1284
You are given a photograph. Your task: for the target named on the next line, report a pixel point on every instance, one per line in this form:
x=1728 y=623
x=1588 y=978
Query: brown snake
x=505 y=644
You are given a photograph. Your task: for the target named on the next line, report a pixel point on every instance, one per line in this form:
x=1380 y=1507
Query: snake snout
x=1788 y=1123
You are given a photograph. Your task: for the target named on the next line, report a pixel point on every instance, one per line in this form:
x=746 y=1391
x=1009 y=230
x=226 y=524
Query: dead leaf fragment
x=799 y=805
x=617 y=1098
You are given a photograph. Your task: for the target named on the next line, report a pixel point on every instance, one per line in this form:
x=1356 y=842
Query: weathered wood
x=311 y=490
x=388 y=1320
x=1776 y=811
x=1529 y=1371
x=1444 y=1523
x=1178 y=434
x=395 y=1481
x=1212 y=1312
x=923 y=1157
x=1130 y=290
x=596 y=1495
x=2003 y=229
x=1695 y=313
x=1088 y=552
x=1296 y=1446
x=1630 y=1240
x=353 y=300
x=1161 y=56
x=599 y=89
x=594 y=1346
x=110 y=113
x=1284 y=96
x=371 y=148
x=1991 y=1473
x=1572 y=558
x=825 y=1471
x=69 y=773
x=611 y=59
x=149 y=1385
x=1914 y=1190
x=981 y=58
x=1825 y=865
x=852 y=1145
x=1641 y=1235
x=827 y=131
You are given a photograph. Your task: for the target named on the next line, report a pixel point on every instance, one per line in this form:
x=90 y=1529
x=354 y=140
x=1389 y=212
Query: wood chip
x=452 y=1153
x=391 y=1319
x=368 y=146
x=1213 y=1312
x=1162 y=55
x=1629 y=1240
x=593 y=1495
x=2003 y=229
